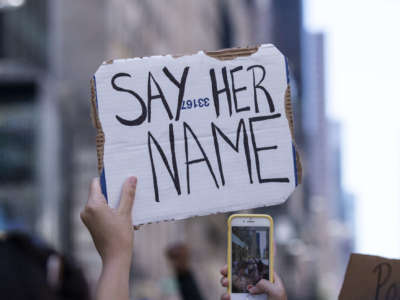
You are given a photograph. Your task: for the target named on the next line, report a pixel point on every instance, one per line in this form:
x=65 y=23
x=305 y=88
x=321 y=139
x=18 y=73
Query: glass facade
x=23 y=33
x=23 y=55
x=18 y=129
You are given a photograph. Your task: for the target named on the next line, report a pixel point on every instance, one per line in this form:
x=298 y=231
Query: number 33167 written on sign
x=195 y=103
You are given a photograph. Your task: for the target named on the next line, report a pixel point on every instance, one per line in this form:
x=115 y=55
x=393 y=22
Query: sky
x=363 y=63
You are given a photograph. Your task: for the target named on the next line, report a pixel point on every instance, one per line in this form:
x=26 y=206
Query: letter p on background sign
x=371 y=277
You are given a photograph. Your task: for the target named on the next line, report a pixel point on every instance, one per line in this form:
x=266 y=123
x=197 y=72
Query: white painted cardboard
x=127 y=148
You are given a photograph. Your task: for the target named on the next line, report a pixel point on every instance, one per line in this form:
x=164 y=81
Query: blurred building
x=48 y=52
x=26 y=114
x=328 y=206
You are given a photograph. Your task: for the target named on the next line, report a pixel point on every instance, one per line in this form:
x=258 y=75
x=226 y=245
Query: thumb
x=262 y=287
x=95 y=193
x=127 y=196
x=275 y=290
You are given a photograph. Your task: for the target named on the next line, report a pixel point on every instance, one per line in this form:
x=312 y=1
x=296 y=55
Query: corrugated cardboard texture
x=96 y=122
x=289 y=116
x=371 y=277
x=225 y=54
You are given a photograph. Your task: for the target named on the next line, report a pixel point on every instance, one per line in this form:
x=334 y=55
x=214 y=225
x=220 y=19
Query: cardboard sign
x=204 y=133
x=371 y=277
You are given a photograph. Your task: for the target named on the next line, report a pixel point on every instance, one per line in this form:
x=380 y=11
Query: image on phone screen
x=250 y=256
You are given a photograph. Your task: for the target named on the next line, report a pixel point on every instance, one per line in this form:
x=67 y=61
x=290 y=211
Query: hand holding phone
x=275 y=290
x=250 y=256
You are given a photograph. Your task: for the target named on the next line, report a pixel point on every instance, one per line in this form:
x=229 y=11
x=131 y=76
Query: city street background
x=342 y=58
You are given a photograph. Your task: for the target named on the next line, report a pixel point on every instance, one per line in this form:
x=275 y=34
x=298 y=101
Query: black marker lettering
x=180 y=85
x=174 y=176
x=380 y=281
x=258 y=149
x=258 y=86
x=216 y=92
x=139 y=120
x=151 y=97
x=241 y=127
x=235 y=91
x=186 y=128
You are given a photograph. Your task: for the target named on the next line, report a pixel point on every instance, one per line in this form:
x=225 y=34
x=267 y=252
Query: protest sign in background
x=371 y=277
x=204 y=133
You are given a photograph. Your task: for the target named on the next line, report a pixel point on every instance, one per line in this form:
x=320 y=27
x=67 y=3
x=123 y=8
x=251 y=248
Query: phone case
x=271 y=242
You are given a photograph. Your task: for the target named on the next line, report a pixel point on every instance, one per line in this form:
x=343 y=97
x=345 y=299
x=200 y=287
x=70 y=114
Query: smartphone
x=250 y=254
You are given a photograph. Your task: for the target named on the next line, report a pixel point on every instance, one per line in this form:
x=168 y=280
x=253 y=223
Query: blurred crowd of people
x=247 y=273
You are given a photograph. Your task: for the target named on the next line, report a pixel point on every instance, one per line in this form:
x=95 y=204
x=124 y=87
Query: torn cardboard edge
x=289 y=116
x=224 y=54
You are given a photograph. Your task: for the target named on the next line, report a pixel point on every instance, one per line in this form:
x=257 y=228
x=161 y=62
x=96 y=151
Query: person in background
x=239 y=278
x=31 y=270
x=275 y=290
x=179 y=257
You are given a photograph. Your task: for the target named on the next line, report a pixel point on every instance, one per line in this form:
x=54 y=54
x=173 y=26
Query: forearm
x=114 y=281
x=112 y=233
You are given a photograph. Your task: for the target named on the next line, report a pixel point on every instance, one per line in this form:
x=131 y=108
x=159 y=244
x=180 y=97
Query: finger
x=278 y=287
x=263 y=286
x=224 y=270
x=225 y=297
x=127 y=196
x=224 y=281
x=95 y=193
x=277 y=280
x=255 y=290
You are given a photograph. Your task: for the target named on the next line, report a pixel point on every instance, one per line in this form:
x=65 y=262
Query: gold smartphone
x=250 y=254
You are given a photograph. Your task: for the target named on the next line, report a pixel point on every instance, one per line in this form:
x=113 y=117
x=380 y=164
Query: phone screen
x=250 y=256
